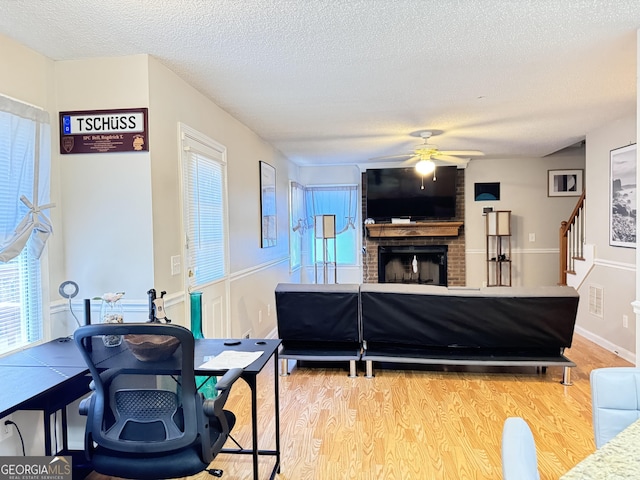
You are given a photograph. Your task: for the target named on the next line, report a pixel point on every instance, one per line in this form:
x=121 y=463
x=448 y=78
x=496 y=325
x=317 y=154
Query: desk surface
x=34 y=372
x=211 y=347
x=25 y=386
x=61 y=352
x=616 y=460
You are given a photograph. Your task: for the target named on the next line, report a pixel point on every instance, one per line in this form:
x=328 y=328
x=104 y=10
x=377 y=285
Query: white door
x=204 y=172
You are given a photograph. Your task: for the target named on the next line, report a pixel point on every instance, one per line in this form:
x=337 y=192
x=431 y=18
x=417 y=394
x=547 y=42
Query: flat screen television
x=397 y=193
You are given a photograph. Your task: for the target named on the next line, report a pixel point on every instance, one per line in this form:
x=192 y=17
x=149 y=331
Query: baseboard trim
x=606 y=344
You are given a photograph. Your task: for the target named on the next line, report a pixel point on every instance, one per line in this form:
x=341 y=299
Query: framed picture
x=487 y=191
x=622 y=197
x=268 y=205
x=564 y=183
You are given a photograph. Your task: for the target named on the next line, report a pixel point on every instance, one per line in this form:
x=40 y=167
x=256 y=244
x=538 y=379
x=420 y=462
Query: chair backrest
x=145 y=398
x=615 y=401
x=519 y=457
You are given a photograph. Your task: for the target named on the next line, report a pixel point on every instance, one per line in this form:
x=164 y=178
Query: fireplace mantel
x=426 y=229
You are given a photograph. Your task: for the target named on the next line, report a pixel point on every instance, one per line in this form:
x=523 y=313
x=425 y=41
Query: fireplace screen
x=413 y=264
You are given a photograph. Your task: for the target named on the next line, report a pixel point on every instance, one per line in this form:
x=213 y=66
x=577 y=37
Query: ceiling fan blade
x=392 y=157
x=462 y=153
x=411 y=160
x=451 y=159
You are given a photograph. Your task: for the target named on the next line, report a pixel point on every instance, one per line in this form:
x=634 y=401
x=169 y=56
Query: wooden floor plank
x=427 y=424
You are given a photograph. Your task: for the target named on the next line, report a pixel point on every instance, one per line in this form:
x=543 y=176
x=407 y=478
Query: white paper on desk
x=231 y=359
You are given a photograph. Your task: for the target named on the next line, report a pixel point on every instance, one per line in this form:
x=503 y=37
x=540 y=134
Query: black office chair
x=145 y=418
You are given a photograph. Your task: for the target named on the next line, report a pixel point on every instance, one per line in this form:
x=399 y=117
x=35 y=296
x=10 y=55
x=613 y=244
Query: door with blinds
x=204 y=179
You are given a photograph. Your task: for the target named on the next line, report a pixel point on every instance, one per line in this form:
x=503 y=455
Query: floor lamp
x=325 y=230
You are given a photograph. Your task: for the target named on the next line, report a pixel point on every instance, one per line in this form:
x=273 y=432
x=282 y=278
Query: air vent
x=595 y=300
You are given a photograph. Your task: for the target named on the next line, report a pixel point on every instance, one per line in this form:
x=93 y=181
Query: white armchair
x=615 y=401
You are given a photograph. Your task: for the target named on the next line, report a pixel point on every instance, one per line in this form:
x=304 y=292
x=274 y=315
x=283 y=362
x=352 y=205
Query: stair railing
x=572 y=234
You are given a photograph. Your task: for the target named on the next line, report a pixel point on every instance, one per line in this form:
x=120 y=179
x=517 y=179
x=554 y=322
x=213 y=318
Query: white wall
x=105 y=198
x=615 y=267
x=254 y=271
x=523 y=190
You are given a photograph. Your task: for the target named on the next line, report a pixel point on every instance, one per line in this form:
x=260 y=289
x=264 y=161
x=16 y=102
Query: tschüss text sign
x=102 y=131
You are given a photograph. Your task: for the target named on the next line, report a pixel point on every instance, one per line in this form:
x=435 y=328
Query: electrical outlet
x=176 y=266
x=532 y=237
x=625 y=321
x=6 y=431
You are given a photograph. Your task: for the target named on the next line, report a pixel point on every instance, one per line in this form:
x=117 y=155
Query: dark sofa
x=319 y=323
x=422 y=324
x=493 y=326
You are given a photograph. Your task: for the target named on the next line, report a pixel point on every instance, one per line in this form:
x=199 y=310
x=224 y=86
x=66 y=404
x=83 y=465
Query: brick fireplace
x=444 y=232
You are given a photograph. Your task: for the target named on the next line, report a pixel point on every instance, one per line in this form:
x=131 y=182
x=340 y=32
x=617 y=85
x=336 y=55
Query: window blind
x=204 y=177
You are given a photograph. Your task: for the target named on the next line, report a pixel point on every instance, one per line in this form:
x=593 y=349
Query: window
x=341 y=201
x=204 y=177
x=25 y=158
x=296 y=199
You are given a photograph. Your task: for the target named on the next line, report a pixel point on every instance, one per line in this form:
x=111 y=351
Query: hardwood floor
x=417 y=424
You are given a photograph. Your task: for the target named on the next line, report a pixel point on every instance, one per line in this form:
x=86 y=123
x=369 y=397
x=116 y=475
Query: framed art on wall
x=268 y=205
x=622 y=197
x=564 y=183
x=487 y=191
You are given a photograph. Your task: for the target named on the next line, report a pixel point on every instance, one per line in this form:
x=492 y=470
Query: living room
x=92 y=244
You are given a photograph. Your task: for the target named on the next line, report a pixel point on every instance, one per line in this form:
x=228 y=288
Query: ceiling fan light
x=425 y=167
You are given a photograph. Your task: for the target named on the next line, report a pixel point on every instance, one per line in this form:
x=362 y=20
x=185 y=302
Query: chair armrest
x=212 y=407
x=228 y=379
x=85 y=405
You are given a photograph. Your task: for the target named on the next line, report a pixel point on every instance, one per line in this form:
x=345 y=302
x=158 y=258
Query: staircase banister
x=566 y=225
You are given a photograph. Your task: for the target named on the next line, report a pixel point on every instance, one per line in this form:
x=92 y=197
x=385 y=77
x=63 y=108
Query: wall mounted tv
x=397 y=193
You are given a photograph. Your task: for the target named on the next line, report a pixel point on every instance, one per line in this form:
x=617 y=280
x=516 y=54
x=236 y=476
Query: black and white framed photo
x=622 y=197
x=565 y=183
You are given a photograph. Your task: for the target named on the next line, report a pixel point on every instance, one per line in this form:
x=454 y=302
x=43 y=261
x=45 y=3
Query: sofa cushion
x=318 y=312
x=514 y=317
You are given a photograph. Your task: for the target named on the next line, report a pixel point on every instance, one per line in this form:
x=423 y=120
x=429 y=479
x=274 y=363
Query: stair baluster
x=572 y=234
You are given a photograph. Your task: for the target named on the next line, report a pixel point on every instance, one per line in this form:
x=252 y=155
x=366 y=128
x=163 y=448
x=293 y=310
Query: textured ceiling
x=342 y=81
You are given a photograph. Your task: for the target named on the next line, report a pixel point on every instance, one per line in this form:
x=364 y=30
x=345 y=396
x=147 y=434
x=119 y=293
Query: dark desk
x=207 y=347
x=50 y=376
x=47 y=377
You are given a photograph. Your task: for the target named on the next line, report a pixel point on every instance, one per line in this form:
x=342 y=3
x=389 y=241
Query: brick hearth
x=456 y=272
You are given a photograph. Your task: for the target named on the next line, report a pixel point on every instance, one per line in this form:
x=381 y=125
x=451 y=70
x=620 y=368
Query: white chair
x=615 y=401
x=519 y=457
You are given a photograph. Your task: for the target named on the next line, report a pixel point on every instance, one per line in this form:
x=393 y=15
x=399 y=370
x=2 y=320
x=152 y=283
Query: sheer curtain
x=25 y=157
x=341 y=201
x=297 y=221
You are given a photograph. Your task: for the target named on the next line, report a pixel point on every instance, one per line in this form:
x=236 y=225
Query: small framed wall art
x=565 y=183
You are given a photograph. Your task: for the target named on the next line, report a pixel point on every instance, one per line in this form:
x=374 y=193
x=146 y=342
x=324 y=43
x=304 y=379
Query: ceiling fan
x=425 y=154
